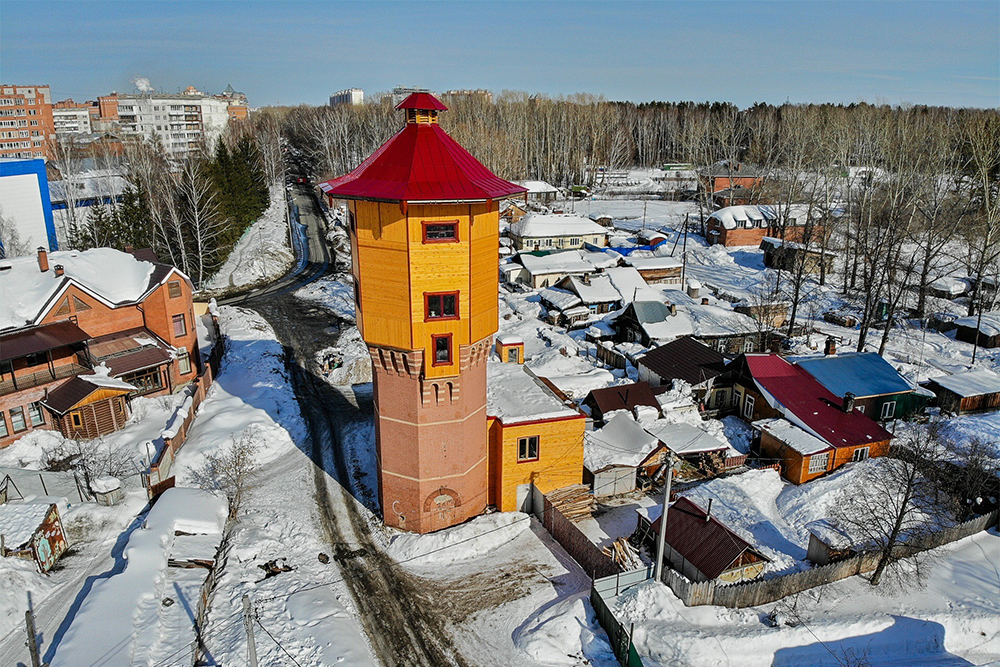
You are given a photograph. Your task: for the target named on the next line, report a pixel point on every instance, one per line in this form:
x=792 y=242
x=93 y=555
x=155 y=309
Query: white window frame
x=860 y=454
x=815 y=459
x=748 y=406
x=183 y=361
x=891 y=412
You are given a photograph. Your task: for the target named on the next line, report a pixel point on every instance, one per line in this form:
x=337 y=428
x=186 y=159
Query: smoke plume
x=142 y=83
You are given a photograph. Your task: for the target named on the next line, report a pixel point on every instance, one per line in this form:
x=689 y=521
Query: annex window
x=441 y=306
x=888 y=409
x=17 y=421
x=63 y=307
x=527 y=448
x=74 y=418
x=818 y=462
x=35 y=414
x=3 y=427
x=174 y=289
x=146 y=381
x=860 y=408
x=36 y=359
x=442 y=349
x=180 y=326
x=440 y=232
x=183 y=361
x=79 y=305
x=860 y=454
x=748 y=407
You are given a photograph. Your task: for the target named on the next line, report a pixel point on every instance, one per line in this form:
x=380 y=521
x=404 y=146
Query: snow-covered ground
x=262 y=253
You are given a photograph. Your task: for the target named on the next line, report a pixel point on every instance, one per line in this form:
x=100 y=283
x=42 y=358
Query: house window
x=63 y=308
x=17 y=421
x=183 y=361
x=860 y=454
x=888 y=409
x=441 y=306
x=441 y=232
x=146 y=381
x=527 y=448
x=180 y=327
x=748 y=344
x=79 y=305
x=818 y=462
x=3 y=427
x=574 y=241
x=748 y=407
x=36 y=359
x=513 y=355
x=174 y=289
x=35 y=414
x=442 y=349
x=75 y=419
x=721 y=399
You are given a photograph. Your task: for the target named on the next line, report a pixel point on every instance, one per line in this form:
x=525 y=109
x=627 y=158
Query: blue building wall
x=36 y=167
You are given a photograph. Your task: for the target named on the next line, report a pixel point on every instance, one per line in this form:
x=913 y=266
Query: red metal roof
x=420 y=163
x=708 y=545
x=422 y=101
x=811 y=403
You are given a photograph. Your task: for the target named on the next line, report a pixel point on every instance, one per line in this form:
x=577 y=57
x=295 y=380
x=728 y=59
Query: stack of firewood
x=573 y=502
x=623 y=553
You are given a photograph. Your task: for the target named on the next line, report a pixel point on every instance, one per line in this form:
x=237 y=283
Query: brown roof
x=71 y=393
x=144 y=254
x=147 y=357
x=685 y=359
x=623 y=397
x=708 y=545
x=40 y=339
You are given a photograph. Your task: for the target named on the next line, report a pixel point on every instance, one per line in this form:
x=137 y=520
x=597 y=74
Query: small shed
x=510 y=349
x=790 y=255
x=620 y=397
x=701 y=547
x=89 y=406
x=32 y=531
x=657 y=269
x=613 y=455
x=985 y=329
x=948 y=287
x=829 y=542
x=603 y=219
x=696 y=447
x=107 y=490
x=962 y=393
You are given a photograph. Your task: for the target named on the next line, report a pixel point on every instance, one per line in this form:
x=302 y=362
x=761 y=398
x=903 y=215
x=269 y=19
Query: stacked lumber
x=573 y=502
x=624 y=554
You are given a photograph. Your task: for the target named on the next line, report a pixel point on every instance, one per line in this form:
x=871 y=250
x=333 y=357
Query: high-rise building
x=479 y=93
x=26 y=124
x=350 y=96
x=69 y=117
x=400 y=93
x=183 y=121
x=424 y=234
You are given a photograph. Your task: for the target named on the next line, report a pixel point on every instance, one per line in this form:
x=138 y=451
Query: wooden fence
x=572 y=539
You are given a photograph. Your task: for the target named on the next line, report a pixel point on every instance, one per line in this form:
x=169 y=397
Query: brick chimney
x=704 y=300
x=59 y=269
x=43 y=260
x=848 y=402
x=831 y=346
x=673 y=309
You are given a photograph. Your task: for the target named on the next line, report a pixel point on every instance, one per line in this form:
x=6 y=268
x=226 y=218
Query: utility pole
x=29 y=622
x=661 y=541
x=248 y=624
x=684 y=255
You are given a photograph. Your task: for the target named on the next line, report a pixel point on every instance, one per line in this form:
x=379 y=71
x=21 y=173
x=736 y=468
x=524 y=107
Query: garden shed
x=32 y=531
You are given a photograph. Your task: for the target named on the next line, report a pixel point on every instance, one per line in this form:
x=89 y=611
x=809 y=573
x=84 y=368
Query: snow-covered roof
x=793 y=436
x=950 y=285
x=20 y=520
x=653 y=263
x=108 y=275
x=990 y=325
x=622 y=442
x=88 y=185
x=510 y=339
x=567 y=261
x=515 y=394
x=560 y=299
x=596 y=289
x=732 y=217
x=629 y=283
x=544 y=225
x=974 y=383
x=101 y=377
x=538 y=187
x=682 y=438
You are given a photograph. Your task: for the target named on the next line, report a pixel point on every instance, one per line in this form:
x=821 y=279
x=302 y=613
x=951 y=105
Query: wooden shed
x=89 y=406
x=985 y=329
x=961 y=393
x=32 y=531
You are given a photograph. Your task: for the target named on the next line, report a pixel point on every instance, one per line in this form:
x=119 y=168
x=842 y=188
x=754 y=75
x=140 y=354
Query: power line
x=284 y=650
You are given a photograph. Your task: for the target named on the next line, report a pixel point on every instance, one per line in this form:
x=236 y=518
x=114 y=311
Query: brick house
x=750 y=225
x=65 y=314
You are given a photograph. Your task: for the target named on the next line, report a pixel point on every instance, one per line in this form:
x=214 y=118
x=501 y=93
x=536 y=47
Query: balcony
x=38 y=378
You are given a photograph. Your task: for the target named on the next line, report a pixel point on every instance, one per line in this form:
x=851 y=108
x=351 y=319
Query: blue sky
x=285 y=52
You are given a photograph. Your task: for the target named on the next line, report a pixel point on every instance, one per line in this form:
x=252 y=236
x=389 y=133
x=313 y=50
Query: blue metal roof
x=863 y=374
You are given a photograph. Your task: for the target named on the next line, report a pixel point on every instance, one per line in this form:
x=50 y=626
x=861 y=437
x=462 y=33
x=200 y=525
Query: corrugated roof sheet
x=862 y=374
x=71 y=393
x=422 y=101
x=40 y=339
x=685 y=359
x=708 y=545
x=624 y=397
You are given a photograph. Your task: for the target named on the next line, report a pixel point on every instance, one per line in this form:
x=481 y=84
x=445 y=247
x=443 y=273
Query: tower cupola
x=422 y=108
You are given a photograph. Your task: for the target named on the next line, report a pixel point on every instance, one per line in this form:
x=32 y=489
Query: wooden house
x=690 y=361
x=985 y=329
x=565 y=309
x=699 y=546
x=786 y=255
x=512 y=211
x=799 y=421
x=89 y=406
x=535 y=436
x=704 y=454
x=596 y=292
x=770 y=314
x=539 y=191
x=879 y=390
x=652 y=322
x=656 y=270
x=545 y=268
x=556 y=231
x=620 y=397
x=603 y=219
x=963 y=393
x=32 y=531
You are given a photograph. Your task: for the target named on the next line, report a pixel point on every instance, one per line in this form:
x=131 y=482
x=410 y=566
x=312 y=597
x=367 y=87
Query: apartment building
x=349 y=96
x=182 y=121
x=26 y=123
x=70 y=117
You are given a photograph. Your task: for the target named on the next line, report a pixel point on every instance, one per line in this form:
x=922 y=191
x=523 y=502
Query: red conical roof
x=422 y=101
x=421 y=163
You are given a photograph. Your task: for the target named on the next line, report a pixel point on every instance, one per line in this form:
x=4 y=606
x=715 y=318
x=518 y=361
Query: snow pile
x=20 y=579
x=622 y=442
x=472 y=539
x=262 y=253
x=336 y=294
x=563 y=634
x=334 y=629
x=108 y=274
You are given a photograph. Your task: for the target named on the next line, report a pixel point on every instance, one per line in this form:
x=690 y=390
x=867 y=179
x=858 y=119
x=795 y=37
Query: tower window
x=441 y=306
x=442 y=349
x=441 y=232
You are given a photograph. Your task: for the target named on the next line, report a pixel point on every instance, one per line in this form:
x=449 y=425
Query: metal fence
x=604 y=589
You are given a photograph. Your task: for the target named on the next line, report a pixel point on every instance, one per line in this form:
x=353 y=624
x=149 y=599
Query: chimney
x=585 y=278
x=43 y=260
x=708 y=512
x=848 y=402
x=59 y=269
x=704 y=300
x=673 y=309
x=831 y=346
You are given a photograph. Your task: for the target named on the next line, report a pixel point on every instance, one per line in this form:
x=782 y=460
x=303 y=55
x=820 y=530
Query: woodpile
x=624 y=554
x=573 y=502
